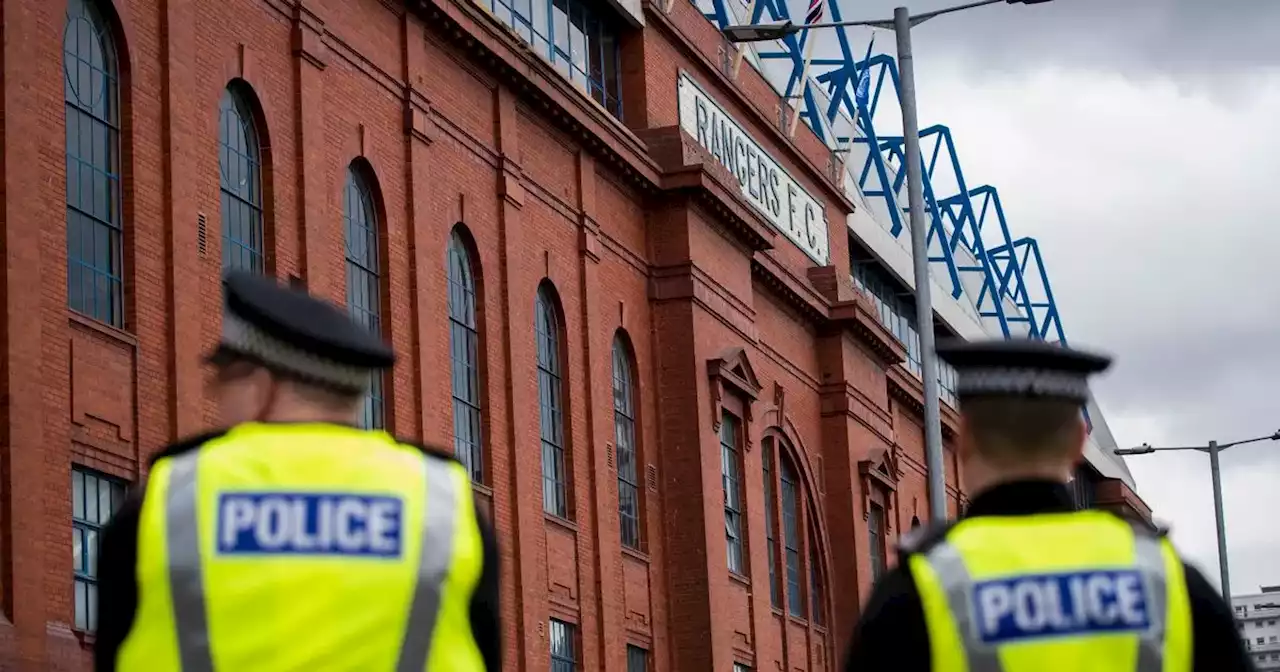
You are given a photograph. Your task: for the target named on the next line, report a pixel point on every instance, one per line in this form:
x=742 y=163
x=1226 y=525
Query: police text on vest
x=1050 y=605
x=268 y=523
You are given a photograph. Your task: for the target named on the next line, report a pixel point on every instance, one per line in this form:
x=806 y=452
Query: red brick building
x=693 y=435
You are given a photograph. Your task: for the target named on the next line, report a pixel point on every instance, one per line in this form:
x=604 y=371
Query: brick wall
x=457 y=125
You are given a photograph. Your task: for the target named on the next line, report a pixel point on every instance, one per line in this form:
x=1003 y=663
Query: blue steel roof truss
x=1013 y=288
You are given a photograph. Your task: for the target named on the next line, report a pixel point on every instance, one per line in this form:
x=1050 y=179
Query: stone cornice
x=770 y=273
x=686 y=169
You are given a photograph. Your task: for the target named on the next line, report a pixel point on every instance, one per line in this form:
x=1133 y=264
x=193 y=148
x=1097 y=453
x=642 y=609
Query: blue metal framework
x=970 y=243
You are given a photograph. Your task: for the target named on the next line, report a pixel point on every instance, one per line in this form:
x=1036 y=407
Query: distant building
x=1258 y=618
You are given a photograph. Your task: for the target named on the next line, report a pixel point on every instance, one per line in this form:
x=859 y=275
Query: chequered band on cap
x=1005 y=381
x=245 y=338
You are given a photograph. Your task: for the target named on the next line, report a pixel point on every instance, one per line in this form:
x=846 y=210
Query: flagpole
x=814 y=16
x=744 y=46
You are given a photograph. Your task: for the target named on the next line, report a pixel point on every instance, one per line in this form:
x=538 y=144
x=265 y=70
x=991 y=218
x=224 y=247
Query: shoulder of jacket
x=186 y=445
x=923 y=538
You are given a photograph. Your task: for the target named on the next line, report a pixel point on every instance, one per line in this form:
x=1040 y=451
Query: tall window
x=564 y=647
x=790 y=518
x=240 y=158
x=464 y=354
x=732 y=483
x=770 y=518
x=637 y=659
x=579 y=37
x=624 y=436
x=551 y=405
x=94 y=498
x=875 y=540
x=791 y=537
x=95 y=256
x=364 y=285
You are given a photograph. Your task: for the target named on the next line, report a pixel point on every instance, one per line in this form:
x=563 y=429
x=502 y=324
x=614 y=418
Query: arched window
x=95 y=237
x=240 y=159
x=464 y=354
x=789 y=518
x=364 y=282
x=624 y=437
x=549 y=330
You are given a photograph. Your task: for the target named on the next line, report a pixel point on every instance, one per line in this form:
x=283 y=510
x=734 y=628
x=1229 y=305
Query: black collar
x=1022 y=498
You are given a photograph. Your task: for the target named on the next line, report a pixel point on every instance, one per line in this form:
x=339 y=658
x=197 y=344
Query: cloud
x=1191 y=40
x=1151 y=203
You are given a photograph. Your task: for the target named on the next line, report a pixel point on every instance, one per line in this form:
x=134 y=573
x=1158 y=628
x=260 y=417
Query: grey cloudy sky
x=1139 y=141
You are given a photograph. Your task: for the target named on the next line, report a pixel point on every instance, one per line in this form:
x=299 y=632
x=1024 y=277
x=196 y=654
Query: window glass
x=464 y=357
x=95 y=255
x=239 y=158
x=624 y=436
x=364 y=283
x=551 y=406
x=94 y=499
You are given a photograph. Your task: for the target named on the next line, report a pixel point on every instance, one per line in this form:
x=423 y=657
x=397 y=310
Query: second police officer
x=293 y=540
x=1024 y=582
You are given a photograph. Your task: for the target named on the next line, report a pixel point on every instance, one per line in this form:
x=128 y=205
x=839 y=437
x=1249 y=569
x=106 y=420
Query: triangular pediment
x=883 y=463
x=734 y=367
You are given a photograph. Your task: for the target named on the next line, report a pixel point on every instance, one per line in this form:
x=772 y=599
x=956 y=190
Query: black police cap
x=1021 y=368
x=289 y=330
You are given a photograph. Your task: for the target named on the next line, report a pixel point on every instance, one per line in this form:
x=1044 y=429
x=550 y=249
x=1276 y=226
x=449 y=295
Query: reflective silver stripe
x=439 y=515
x=186 y=580
x=954 y=576
x=1149 y=557
x=947 y=563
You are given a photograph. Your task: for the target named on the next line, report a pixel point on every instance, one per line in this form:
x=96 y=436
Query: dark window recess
x=624 y=437
x=564 y=647
x=95 y=233
x=732 y=485
x=240 y=162
x=875 y=541
x=580 y=39
x=551 y=405
x=364 y=282
x=464 y=356
x=637 y=659
x=94 y=498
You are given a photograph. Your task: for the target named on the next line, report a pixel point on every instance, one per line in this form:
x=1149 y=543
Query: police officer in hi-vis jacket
x=1024 y=582
x=295 y=541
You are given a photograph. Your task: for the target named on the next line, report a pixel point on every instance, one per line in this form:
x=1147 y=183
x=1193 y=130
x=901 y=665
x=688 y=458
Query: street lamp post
x=1213 y=449
x=901 y=24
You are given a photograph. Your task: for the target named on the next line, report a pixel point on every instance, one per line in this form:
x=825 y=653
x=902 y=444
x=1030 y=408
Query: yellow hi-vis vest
x=1053 y=593
x=305 y=547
